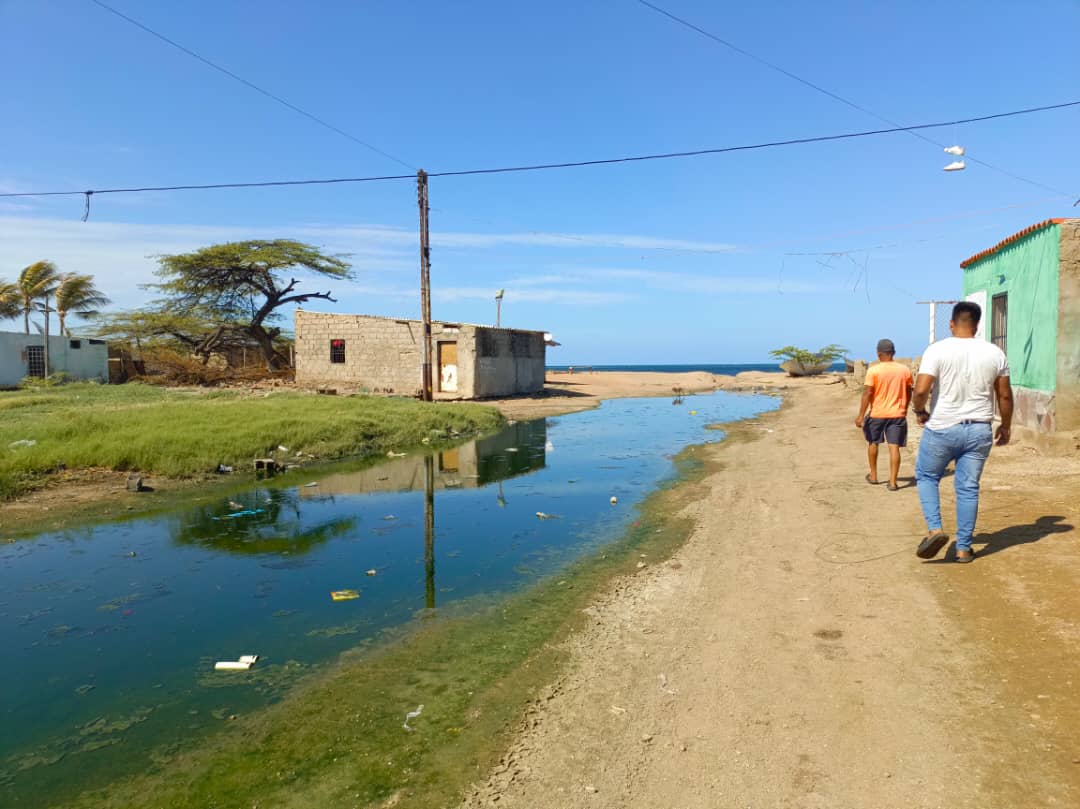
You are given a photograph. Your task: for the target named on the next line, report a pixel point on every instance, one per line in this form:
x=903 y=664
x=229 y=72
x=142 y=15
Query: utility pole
x=498 y=307
x=425 y=282
x=45 y=352
x=933 y=317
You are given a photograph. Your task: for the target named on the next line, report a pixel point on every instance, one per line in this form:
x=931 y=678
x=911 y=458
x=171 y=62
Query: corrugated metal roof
x=1005 y=242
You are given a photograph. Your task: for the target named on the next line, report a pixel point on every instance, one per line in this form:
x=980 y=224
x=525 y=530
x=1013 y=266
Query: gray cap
x=885 y=346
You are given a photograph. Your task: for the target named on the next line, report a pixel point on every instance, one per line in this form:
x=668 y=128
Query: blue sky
x=673 y=261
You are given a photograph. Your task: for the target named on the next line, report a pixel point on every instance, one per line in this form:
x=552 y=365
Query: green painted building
x=1028 y=286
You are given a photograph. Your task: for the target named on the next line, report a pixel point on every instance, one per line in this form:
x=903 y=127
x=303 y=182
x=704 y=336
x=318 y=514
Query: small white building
x=23 y=355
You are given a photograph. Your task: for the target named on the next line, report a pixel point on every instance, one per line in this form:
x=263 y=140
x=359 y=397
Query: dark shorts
x=893 y=431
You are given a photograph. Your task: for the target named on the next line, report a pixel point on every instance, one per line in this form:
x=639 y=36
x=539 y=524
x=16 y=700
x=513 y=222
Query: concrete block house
x=385 y=355
x=1028 y=286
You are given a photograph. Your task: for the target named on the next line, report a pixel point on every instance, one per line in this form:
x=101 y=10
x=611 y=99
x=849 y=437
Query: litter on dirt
x=412 y=715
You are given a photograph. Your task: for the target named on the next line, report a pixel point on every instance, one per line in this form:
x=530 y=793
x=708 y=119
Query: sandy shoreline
x=795 y=652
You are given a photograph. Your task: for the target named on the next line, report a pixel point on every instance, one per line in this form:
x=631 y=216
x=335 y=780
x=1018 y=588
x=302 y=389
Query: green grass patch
x=185 y=433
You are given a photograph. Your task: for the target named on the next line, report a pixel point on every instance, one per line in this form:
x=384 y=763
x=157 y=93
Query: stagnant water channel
x=111 y=632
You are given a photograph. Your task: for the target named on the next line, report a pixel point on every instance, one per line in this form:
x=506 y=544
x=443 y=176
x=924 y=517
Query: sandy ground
x=796 y=653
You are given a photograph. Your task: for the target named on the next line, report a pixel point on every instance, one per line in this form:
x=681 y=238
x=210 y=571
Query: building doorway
x=448 y=367
x=35 y=361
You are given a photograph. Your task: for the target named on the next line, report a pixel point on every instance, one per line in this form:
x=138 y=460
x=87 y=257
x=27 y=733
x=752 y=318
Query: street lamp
x=498 y=307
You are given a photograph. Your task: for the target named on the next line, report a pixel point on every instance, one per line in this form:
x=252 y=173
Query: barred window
x=337 y=351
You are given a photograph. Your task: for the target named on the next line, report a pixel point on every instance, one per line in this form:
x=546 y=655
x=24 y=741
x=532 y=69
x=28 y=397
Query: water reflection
x=270 y=521
x=520 y=449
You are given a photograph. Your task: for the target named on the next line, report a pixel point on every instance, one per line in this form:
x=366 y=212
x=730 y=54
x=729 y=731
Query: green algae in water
x=339 y=739
x=100 y=732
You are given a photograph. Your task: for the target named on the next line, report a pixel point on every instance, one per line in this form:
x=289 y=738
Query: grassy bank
x=185 y=433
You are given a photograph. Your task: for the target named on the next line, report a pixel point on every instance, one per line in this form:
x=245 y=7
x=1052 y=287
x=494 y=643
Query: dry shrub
x=166 y=366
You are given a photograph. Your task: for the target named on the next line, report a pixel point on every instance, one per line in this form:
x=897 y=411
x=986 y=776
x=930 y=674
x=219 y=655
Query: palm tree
x=77 y=293
x=36 y=282
x=10 y=307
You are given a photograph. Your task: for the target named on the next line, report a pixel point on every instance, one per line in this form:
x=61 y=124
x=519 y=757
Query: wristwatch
x=923 y=412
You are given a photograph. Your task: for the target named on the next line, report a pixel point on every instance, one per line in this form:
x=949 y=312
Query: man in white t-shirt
x=966 y=374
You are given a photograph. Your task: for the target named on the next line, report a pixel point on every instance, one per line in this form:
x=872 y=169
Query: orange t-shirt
x=891 y=383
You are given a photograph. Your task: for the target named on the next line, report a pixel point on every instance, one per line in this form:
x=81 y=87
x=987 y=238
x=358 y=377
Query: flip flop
x=930 y=546
x=871 y=482
x=963 y=560
x=893 y=487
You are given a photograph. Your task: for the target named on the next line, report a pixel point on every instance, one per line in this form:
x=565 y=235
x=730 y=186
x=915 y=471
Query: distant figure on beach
x=966 y=374
x=887 y=394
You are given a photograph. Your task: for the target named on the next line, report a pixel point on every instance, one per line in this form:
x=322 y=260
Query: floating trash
x=247 y=512
x=371 y=572
x=243 y=663
x=25 y=442
x=541 y=515
x=344 y=595
x=309 y=485
x=614 y=500
x=412 y=715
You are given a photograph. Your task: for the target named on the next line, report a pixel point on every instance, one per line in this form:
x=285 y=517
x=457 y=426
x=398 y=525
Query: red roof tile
x=1005 y=242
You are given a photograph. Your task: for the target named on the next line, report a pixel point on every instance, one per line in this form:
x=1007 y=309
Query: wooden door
x=448 y=368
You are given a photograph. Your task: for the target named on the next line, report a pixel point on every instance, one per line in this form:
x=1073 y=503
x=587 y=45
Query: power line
x=546 y=166
x=836 y=97
x=249 y=84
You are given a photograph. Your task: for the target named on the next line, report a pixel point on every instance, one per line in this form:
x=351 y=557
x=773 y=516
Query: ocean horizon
x=719 y=369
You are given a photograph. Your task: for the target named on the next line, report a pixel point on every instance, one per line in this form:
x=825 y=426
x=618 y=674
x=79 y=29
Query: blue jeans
x=968 y=445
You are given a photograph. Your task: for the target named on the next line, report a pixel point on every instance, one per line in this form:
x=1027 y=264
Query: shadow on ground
x=1010 y=537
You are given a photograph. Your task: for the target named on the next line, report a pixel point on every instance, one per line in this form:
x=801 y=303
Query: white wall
x=89 y=361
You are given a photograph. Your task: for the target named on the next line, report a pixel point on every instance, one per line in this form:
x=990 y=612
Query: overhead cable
x=249 y=84
x=818 y=88
x=547 y=166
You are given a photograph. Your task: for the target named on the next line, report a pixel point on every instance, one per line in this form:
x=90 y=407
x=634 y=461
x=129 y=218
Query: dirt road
x=796 y=653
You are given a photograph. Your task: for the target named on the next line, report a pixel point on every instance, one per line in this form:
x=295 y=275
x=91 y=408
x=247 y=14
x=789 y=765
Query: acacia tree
x=77 y=293
x=241 y=286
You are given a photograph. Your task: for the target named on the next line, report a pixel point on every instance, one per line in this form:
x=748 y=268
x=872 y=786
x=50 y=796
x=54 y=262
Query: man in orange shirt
x=887 y=394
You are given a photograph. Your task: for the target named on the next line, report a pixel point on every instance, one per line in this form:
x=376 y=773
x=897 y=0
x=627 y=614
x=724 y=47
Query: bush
x=165 y=366
x=828 y=354
x=51 y=381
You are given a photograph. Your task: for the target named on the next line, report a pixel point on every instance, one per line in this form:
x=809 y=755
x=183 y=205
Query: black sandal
x=932 y=545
